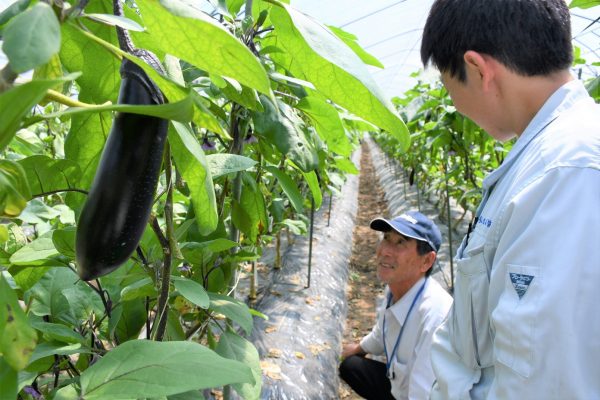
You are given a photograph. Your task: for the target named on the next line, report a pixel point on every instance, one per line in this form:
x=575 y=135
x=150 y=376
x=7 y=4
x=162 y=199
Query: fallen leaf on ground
x=274 y=353
x=271 y=370
x=270 y=329
x=299 y=355
x=318 y=348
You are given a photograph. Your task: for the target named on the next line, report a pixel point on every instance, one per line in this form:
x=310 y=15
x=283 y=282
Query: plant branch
x=44 y=194
x=7 y=78
x=166 y=243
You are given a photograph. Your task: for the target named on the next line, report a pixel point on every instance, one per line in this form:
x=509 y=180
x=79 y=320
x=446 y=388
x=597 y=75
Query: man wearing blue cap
x=415 y=307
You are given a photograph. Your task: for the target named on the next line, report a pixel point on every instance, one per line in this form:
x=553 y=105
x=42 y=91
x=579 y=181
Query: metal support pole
x=310 y=240
x=329 y=214
x=418 y=192
x=253 y=282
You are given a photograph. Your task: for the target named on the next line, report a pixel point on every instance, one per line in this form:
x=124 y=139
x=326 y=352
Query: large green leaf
x=14 y=189
x=35 y=253
x=173 y=91
x=17 y=337
x=249 y=215
x=131 y=320
x=46 y=175
x=141 y=288
x=199 y=253
x=27 y=277
x=191 y=163
x=50 y=296
x=235 y=347
x=64 y=241
x=241 y=95
x=193 y=291
x=16 y=102
x=328 y=124
x=173 y=27
x=28 y=48
x=223 y=164
x=351 y=40
x=280 y=125
x=140 y=368
x=59 y=332
x=584 y=3
x=315 y=54
x=47 y=349
x=8 y=380
x=346 y=165
x=289 y=188
x=315 y=188
x=99 y=81
x=14 y=9
x=84 y=144
x=233 y=309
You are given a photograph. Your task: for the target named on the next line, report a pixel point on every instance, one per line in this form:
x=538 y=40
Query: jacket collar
x=563 y=99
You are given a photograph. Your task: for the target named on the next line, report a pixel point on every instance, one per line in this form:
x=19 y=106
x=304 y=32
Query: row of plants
x=264 y=107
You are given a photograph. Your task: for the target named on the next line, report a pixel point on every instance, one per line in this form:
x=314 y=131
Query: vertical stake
x=329 y=214
x=418 y=192
x=253 y=282
x=310 y=240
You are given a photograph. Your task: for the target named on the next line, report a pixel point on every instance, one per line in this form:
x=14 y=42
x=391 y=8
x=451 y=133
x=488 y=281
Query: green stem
x=58 y=97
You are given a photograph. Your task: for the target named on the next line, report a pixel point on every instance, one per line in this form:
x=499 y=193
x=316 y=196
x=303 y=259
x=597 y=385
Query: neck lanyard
x=390 y=357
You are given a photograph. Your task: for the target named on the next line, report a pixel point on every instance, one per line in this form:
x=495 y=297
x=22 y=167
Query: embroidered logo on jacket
x=520 y=283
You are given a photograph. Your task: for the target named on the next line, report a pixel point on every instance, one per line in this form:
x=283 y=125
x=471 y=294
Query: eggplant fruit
x=120 y=199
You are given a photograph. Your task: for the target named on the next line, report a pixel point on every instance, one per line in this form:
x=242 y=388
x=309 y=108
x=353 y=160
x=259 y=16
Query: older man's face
x=398 y=261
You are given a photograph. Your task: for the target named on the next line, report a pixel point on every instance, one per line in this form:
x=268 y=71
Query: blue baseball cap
x=412 y=224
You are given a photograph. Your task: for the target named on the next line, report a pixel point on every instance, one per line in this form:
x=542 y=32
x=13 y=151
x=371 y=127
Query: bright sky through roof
x=391 y=31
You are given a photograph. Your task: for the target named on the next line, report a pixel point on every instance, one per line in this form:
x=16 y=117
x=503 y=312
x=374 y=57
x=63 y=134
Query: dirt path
x=363 y=286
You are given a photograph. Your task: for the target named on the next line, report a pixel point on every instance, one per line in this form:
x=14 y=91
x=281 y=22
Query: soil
x=364 y=289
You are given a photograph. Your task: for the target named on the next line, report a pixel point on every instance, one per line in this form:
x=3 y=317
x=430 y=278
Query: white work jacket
x=410 y=369
x=526 y=317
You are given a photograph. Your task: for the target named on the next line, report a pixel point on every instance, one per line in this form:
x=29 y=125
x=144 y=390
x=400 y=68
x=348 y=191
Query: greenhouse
x=288 y=200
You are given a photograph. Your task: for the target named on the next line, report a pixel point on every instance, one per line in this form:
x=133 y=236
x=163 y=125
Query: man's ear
x=428 y=260
x=479 y=66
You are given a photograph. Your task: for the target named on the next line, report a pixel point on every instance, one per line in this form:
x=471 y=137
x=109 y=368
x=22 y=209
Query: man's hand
x=352 y=349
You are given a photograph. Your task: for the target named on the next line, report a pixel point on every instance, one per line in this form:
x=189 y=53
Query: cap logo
x=408 y=218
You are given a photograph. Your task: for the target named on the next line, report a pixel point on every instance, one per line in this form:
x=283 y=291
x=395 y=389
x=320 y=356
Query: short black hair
x=424 y=248
x=530 y=37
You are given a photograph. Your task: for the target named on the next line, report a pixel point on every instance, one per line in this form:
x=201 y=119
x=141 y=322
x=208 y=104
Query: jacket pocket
x=515 y=318
x=470 y=321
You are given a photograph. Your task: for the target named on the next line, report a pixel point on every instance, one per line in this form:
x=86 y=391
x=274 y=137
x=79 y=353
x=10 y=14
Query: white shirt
x=526 y=317
x=411 y=364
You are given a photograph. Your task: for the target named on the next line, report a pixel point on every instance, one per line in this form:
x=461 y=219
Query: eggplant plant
x=263 y=107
